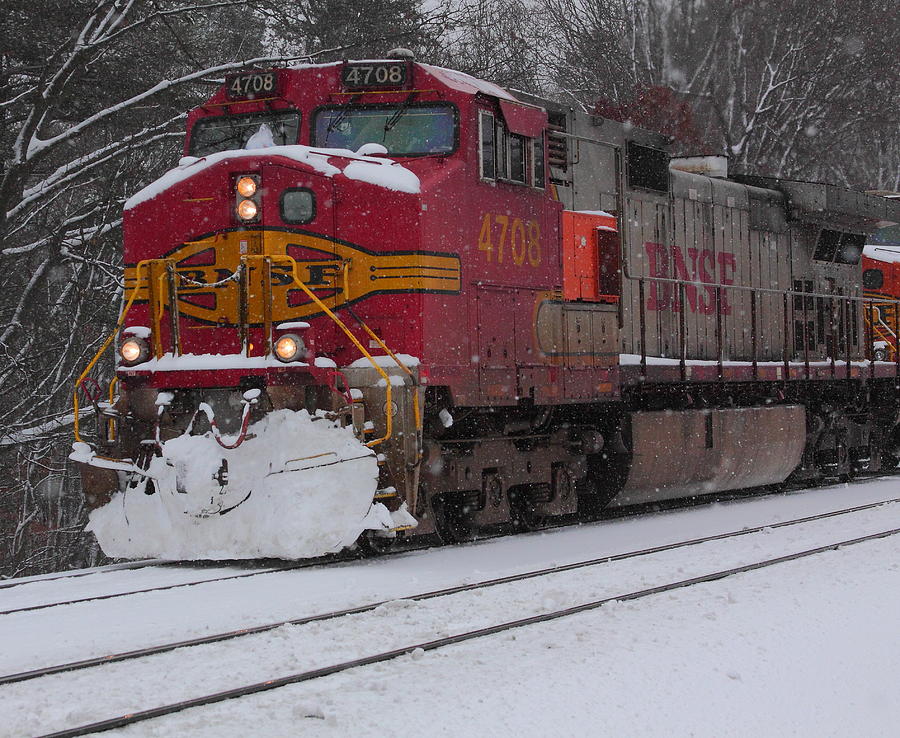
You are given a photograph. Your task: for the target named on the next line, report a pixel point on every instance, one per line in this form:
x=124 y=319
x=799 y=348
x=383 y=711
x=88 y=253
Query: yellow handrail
x=111 y=433
x=324 y=308
x=156 y=301
x=121 y=321
x=309 y=293
x=416 y=412
x=345 y=269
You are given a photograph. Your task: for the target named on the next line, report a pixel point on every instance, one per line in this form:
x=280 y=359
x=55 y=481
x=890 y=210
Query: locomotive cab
x=301 y=269
x=237 y=262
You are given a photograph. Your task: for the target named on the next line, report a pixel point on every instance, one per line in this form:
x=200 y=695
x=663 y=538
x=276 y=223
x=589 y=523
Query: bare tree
x=336 y=29
x=498 y=40
x=585 y=49
x=92 y=110
x=799 y=88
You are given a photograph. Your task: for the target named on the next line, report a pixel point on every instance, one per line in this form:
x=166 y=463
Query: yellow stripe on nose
x=338 y=273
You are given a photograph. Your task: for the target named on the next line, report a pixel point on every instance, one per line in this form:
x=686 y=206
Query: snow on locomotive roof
x=395 y=177
x=379 y=171
x=889 y=254
x=467 y=83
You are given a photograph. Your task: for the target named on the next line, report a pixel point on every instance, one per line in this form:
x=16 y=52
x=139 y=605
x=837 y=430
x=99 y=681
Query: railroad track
x=347 y=556
x=125 y=565
x=387 y=655
x=177 y=585
x=484 y=584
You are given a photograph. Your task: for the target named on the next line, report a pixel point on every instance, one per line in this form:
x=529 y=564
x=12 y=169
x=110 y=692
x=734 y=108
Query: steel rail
x=484 y=584
x=305 y=676
x=344 y=556
x=112 y=595
x=124 y=566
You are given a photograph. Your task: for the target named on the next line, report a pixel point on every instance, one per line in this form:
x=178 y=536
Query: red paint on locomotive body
x=453 y=216
x=881 y=282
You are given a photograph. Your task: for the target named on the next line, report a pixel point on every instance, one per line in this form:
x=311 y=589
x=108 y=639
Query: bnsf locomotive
x=881 y=282
x=384 y=298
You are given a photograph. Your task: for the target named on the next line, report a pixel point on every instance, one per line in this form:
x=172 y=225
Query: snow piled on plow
x=310 y=484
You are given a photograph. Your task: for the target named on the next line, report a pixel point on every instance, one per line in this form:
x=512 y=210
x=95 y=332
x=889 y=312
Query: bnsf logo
x=208 y=277
x=320 y=274
x=701 y=266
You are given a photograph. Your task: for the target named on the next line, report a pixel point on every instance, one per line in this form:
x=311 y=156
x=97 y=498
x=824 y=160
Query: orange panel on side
x=582 y=279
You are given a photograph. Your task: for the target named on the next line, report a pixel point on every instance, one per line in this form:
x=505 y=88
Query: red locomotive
x=881 y=283
x=384 y=298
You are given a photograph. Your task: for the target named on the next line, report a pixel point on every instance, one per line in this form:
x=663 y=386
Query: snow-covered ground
x=805 y=648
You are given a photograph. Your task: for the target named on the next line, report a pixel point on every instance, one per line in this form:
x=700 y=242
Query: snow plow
x=222 y=456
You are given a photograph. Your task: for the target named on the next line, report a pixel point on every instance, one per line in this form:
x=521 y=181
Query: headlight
x=247 y=197
x=247 y=210
x=289 y=347
x=134 y=350
x=246 y=186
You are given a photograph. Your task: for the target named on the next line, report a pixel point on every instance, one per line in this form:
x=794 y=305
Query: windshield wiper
x=339 y=118
x=395 y=118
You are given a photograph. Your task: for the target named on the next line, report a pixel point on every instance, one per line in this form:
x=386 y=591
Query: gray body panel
x=737 y=250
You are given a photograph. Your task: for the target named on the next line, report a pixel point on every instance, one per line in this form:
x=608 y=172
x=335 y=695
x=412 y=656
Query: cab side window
x=508 y=157
x=487 y=147
x=502 y=150
x=517 y=148
x=537 y=162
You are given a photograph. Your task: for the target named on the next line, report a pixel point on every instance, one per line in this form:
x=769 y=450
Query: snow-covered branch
x=77 y=168
x=37 y=146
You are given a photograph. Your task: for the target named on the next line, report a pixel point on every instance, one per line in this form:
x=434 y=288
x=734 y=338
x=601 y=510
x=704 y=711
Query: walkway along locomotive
x=382 y=298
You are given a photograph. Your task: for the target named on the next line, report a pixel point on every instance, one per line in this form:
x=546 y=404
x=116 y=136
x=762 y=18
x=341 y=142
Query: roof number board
x=252 y=85
x=376 y=74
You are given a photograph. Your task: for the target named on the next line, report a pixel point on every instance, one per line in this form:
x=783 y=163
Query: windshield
x=229 y=132
x=404 y=130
